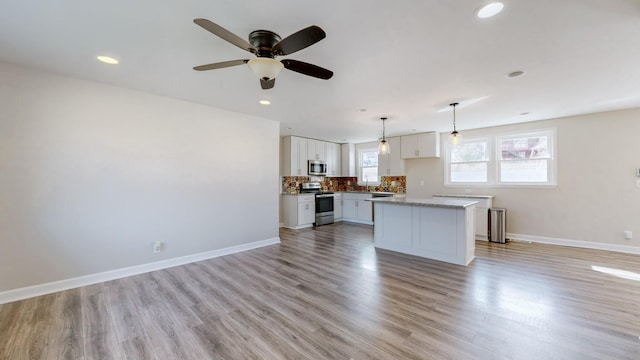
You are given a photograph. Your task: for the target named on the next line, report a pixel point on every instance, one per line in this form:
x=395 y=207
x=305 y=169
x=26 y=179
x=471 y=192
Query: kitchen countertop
x=353 y=192
x=470 y=196
x=444 y=203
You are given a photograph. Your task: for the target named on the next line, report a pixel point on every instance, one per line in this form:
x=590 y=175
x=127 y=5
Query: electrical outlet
x=158 y=246
x=421 y=182
x=628 y=234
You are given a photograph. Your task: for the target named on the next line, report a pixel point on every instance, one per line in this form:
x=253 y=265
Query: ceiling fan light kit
x=266 y=45
x=265 y=68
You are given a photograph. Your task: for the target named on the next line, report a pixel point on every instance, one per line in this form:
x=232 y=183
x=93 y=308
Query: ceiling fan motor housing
x=264 y=41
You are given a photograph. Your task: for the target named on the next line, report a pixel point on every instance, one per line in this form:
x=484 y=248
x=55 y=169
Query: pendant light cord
x=454 y=115
x=383 y=128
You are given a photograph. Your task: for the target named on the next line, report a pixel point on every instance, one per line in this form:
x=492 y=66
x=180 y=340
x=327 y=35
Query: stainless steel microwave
x=317 y=168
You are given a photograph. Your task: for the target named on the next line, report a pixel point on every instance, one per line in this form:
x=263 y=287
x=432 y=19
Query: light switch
x=638 y=183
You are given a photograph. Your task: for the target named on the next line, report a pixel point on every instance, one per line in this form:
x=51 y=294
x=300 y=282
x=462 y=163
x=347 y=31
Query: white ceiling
x=401 y=59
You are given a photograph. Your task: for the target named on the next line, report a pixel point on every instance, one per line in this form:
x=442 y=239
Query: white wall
x=596 y=198
x=91 y=175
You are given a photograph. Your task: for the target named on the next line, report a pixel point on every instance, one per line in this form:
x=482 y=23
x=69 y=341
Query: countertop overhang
x=444 y=203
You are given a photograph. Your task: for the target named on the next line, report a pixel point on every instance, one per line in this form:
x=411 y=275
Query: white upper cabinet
x=296 y=151
x=348 y=160
x=391 y=164
x=420 y=145
x=316 y=150
x=333 y=159
x=294 y=156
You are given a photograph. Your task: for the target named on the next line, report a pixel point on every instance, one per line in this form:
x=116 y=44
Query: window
x=518 y=159
x=469 y=162
x=368 y=166
x=526 y=158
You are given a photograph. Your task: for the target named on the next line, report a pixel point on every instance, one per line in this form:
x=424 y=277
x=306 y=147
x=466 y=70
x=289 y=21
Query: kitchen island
x=439 y=229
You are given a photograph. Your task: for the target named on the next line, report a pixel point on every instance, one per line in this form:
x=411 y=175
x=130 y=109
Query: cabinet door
x=347 y=160
x=364 y=210
x=420 y=145
x=409 y=146
x=306 y=213
x=384 y=168
x=333 y=159
x=337 y=208
x=316 y=150
x=429 y=144
x=302 y=157
x=396 y=163
x=296 y=159
x=391 y=164
x=349 y=210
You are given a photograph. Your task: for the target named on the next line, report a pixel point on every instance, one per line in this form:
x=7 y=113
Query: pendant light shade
x=265 y=68
x=383 y=147
x=455 y=138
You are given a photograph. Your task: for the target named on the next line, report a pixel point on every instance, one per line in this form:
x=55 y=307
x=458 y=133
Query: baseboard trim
x=61 y=285
x=574 y=243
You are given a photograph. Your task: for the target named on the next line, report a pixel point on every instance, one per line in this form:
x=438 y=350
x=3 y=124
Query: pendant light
x=454 y=138
x=383 y=147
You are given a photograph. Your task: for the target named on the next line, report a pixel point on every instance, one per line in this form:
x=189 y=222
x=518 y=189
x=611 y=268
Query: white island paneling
x=439 y=229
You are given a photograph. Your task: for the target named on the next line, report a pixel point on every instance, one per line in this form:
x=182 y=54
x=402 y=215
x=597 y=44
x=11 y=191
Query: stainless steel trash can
x=497 y=225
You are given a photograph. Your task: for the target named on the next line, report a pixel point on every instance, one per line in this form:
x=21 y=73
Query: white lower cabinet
x=299 y=211
x=356 y=208
x=485 y=202
x=337 y=207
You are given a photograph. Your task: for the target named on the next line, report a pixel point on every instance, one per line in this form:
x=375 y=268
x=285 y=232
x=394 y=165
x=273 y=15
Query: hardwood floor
x=326 y=293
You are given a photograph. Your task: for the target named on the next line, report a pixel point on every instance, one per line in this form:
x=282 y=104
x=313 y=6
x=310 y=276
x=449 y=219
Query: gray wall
x=596 y=198
x=91 y=175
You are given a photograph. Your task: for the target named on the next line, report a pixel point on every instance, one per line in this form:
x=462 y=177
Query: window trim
x=493 y=164
x=552 y=165
x=447 y=169
x=361 y=180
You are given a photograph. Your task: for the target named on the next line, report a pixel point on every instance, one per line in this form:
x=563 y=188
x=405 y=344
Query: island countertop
x=442 y=202
x=469 y=196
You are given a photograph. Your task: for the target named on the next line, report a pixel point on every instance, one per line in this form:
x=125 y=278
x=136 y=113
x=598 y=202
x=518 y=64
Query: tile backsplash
x=395 y=184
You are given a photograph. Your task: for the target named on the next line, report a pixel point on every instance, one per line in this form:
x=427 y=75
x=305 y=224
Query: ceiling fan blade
x=267 y=84
x=299 y=40
x=220 y=65
x=307 y=69
x=225 y=34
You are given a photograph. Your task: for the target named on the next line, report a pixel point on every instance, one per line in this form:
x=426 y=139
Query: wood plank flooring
x=326 y=293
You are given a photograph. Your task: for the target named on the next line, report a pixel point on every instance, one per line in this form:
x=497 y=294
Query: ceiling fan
x=267 y=45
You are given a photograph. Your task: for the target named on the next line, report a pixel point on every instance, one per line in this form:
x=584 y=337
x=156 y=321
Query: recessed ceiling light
x=515 y=73
x=489 y=10
x=363 y=110
x=265 y=102
x=107 y=59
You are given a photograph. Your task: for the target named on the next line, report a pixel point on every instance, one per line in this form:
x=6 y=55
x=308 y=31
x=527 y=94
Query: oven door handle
x=324 y=196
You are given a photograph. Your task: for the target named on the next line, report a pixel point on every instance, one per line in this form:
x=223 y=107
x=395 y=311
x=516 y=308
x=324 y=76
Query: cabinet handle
x=356 y=203
x=417 y=152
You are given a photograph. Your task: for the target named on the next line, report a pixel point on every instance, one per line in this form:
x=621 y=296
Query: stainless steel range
x=324 y=203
